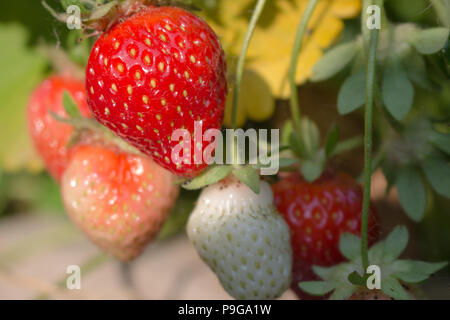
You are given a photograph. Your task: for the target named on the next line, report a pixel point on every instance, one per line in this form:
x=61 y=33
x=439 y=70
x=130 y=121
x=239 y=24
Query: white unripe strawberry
x=243 y=239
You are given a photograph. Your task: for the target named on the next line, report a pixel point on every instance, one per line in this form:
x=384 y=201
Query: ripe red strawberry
x=49 y=135
x=119 y=200
x=317 y=214
x=159 y=70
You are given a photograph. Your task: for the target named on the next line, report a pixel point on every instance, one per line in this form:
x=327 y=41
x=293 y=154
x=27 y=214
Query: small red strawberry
x=49 y=135
x=160 y=70
x=318 y=213
x=119 y=200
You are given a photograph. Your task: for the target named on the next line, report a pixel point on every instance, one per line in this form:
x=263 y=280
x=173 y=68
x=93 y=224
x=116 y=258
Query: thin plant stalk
x=301 y=30
x=368 y=128
x=241 y=61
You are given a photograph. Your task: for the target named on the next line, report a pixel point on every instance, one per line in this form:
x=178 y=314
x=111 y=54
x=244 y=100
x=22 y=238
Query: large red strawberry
x=318 y=213
x=159 y=70
x=118 y=199
x=49 y=135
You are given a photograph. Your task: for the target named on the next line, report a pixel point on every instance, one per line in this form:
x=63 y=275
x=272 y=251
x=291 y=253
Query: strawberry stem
x=370 y=95
x=301 y=29
x=240 y=64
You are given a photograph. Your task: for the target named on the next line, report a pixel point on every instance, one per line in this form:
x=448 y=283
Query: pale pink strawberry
x=119 y=200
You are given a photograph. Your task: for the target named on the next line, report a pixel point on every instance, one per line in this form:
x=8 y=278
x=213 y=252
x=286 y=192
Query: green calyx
x=86 y=127
x=306 y=146
x=100 y=15
x=248 y=174
x=344 y=279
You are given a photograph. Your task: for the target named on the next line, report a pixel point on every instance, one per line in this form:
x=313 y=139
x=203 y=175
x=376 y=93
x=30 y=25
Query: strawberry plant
x=348 y=101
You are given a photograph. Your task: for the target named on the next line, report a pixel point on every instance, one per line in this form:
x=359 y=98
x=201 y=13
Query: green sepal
x=248 y=176
x=393 y=288
x=102 y=10
x=343 y=293
x=309 y=137
x=316 y=288
x=332 y=140
x=312 y=168
x=70 y=106
x=350 y=245
x=410 y=271
x=287 y=162
x=395 y=243
x=211 y=175
x=356 y=279
x=66 y=3
x=295 y=144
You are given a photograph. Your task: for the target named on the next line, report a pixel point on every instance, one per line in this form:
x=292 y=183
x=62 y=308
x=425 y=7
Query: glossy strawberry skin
x=317 y=214
x=159 y=70
x=50 y=136
x=119 y=200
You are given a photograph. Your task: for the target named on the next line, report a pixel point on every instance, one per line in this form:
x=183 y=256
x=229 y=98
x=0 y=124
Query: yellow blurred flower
x=255 y=100
x=271 y=46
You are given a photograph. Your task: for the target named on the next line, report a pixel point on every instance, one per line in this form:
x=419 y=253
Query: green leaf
x=440 y=141
x=311 y=169
x=287 y=162
x=310 y=137
x=212 y=175
x=332 y=140
x=352 y=94
x=430 y=41
x=350 y=245
x=416 y=68
x=394 y=289
x=334 y=61
x=316 y=288
x=437 y=171
x=249 y=176
x=395 y=243
x=411 y=192
x=70 y=106
x=397 y=91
